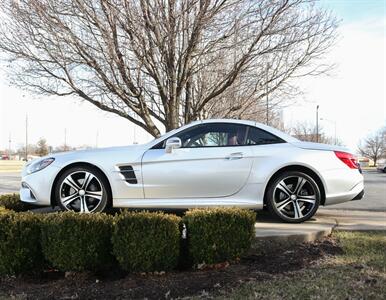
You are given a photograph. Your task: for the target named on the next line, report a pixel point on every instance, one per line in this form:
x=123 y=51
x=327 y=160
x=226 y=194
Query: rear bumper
x=359 y=196
x=353 y=194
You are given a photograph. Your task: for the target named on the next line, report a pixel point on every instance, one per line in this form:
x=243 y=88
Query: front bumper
x=36 y=187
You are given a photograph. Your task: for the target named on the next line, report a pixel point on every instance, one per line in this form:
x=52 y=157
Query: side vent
x=129 y=174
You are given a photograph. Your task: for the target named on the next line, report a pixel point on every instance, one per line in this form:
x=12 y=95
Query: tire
x=82 y=189
x=293 y=197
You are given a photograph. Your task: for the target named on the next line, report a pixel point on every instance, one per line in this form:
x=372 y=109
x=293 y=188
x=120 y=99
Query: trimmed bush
x=77 y=242
x=146 y=241
x=3 y=210
x=20 y=250
x=12 y=202
x=218 y=234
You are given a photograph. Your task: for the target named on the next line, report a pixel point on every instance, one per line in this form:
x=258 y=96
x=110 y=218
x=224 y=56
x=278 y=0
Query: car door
x=212 y=162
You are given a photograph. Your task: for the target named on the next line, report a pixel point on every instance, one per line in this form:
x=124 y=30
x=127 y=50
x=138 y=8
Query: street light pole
x=317 y=123
x=135 y=135
x=9 y=145
x=267 y=99
x=26 y=137
x=65 y=139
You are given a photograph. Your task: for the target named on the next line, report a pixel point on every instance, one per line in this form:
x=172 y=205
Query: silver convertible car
x=206 y=163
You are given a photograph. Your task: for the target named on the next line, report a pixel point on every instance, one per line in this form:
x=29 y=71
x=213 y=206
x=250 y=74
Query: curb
x=270 y=235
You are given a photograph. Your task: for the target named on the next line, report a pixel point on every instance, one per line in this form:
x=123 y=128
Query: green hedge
x=3 y=210
x=139 y=241
x=20 y=249
x=218 y=234
x=12 y=202
x=146 y=241
x=77 y=242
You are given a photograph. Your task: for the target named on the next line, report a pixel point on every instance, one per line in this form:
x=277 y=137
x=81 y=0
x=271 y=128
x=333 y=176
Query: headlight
x=39 y=165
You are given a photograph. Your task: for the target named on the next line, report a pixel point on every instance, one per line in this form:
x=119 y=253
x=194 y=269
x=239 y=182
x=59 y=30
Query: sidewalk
x=269 y=231
x=355 y=220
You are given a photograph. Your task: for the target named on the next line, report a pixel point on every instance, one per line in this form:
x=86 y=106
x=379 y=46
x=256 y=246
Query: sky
x=352 y=99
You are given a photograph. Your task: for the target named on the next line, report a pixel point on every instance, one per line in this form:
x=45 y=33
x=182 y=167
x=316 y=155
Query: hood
x=318 y=146
x=97 y=156
x=92 y=151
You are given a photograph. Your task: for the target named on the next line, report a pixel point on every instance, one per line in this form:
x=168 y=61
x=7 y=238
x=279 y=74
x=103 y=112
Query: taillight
x=349 y=159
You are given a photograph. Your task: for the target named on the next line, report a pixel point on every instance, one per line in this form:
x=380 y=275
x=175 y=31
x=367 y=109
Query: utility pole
x=9 y=146
x=65 y=139
x=26 y=137
x=267 y=99
x=317 y=123
x=135 y=135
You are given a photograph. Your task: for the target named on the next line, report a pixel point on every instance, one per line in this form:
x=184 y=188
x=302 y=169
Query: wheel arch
x=303 y=169
x=79 y=164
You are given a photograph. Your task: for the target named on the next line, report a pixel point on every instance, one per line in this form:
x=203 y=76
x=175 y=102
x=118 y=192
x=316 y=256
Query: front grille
x=129 y=174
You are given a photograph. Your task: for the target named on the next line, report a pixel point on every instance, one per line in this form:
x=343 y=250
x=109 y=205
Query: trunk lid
x=318 y=146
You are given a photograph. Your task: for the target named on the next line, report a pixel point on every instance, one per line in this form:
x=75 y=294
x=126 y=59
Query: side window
x=258 y=136
x=211 y=135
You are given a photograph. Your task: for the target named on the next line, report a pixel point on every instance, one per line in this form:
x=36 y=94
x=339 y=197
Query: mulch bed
x=118 y=285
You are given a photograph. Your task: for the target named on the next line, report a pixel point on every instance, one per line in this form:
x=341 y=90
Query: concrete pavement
x=269 y=231
x=355 y=220
x=272 y=234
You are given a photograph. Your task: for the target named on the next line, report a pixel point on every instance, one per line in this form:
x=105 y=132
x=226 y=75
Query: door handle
x=236 y=155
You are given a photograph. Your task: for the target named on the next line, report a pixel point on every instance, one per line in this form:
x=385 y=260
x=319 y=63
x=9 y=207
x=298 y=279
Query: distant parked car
x=205 y=163
x=4 y=157
x=382 y=166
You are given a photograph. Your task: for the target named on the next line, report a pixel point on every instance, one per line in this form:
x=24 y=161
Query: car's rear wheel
x=82 y=189
x=293 y=197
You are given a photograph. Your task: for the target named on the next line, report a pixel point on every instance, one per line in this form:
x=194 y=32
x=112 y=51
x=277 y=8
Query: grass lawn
x=358 y=273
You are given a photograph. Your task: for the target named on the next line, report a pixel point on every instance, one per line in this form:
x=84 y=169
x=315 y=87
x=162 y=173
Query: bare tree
x=306 y=132
x=63 y=148
x=374 y=146
x=383 y=137
x=163 y=63
x=31 y=150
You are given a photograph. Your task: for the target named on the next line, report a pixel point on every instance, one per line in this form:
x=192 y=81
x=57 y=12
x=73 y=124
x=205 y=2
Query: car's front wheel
x=293 y=197
x=82 y=189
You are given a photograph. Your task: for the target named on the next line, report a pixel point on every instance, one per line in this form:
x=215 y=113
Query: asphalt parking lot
x=374 y=199
x=9 y=182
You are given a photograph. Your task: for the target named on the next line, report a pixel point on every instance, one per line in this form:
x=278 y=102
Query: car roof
x=274 y=131
x=270 y=129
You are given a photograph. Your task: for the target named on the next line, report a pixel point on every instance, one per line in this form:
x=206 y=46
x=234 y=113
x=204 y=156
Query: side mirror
x=172 y=143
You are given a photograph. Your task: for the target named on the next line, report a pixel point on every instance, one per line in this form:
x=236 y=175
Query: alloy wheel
x=295 y=197
x=81 y=191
